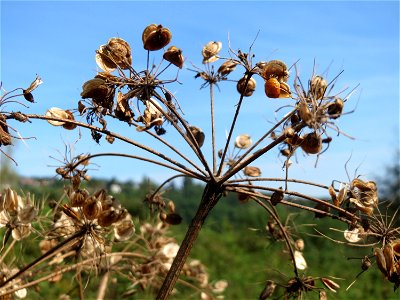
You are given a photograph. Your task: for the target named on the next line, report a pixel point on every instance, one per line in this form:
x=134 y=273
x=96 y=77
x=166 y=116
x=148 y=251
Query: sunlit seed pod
x=389 y=257
x=210 y=51
x=91 y=208
x=173 y=219
x=227 y=67
x=296 y=140
x=318 y=87
x=246 y=90
x=353 y=236
x=20 y=232
x=107 y=218
x=285 y=90
x=57 y=113
x=285 y=152
x=289 y=132
x=174 y=56
x=396 y=247
x=120 y=52
x=322 y=295
x=124 y=230
x=363 y=186
x=5 y=137
x=332 y=193
x=268 y=290
x=171 y=206
x=304 y=112
x=277 y=69
x=47 y=245
x=163 y=216
x=156 y=37
x=243 y=141
x=299 y=260
x=27 y=214
x=381 y=261
x=330 y=284
x=198 y=135
x=276 y=197
x=103 y=60
x=335 y=108
x=272 y=88
x=365 y=263
x=28 y=96
x=67 y=125
x=312 y=143
x=34 y=84
x=78 y=197
x=95 y=88
x=252 y=171
x=299 y=244
x=110 y=139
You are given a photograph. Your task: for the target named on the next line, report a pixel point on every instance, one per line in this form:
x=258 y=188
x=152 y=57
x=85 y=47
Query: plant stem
x=213 y=128
x=211 y=195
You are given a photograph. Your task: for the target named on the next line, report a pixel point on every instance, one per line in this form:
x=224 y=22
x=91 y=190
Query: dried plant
x=85 y=226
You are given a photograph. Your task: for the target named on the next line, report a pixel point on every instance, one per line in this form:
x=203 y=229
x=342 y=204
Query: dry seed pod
x=103 y=60
x=318 y=87
x=124 y=230
x=322 y=295
x=5 y=138
x=91 y=208
x=276 y=197
x=272 y=88
x=396 y=247
x=335 y=108
x=69 y=126
x=95 y=88
x=275 y=68
x=246 y=90
x=285 y=90
x=381 y=261
x=58 y=113
x=312 y=143
x=120 y=52
x=156 y=37
x=252 y=171
x=227 y=67
x=285 y=152
x=365 y=263
x=243 y=141
x=171 y=206
x=304 y=112
x=173 y=219
x=294 y=141
x=78 y=197
x=174 y=56
x=210 y=51
x=108 y=217
x=389 y=258
x=299 y=244
x=268 y=290
x=330 y=284
x=198 y=134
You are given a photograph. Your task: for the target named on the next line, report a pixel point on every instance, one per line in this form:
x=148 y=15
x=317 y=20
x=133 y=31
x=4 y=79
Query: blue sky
x=57 y=40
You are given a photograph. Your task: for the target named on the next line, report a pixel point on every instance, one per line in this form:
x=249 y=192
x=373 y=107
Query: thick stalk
x=211 y=195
